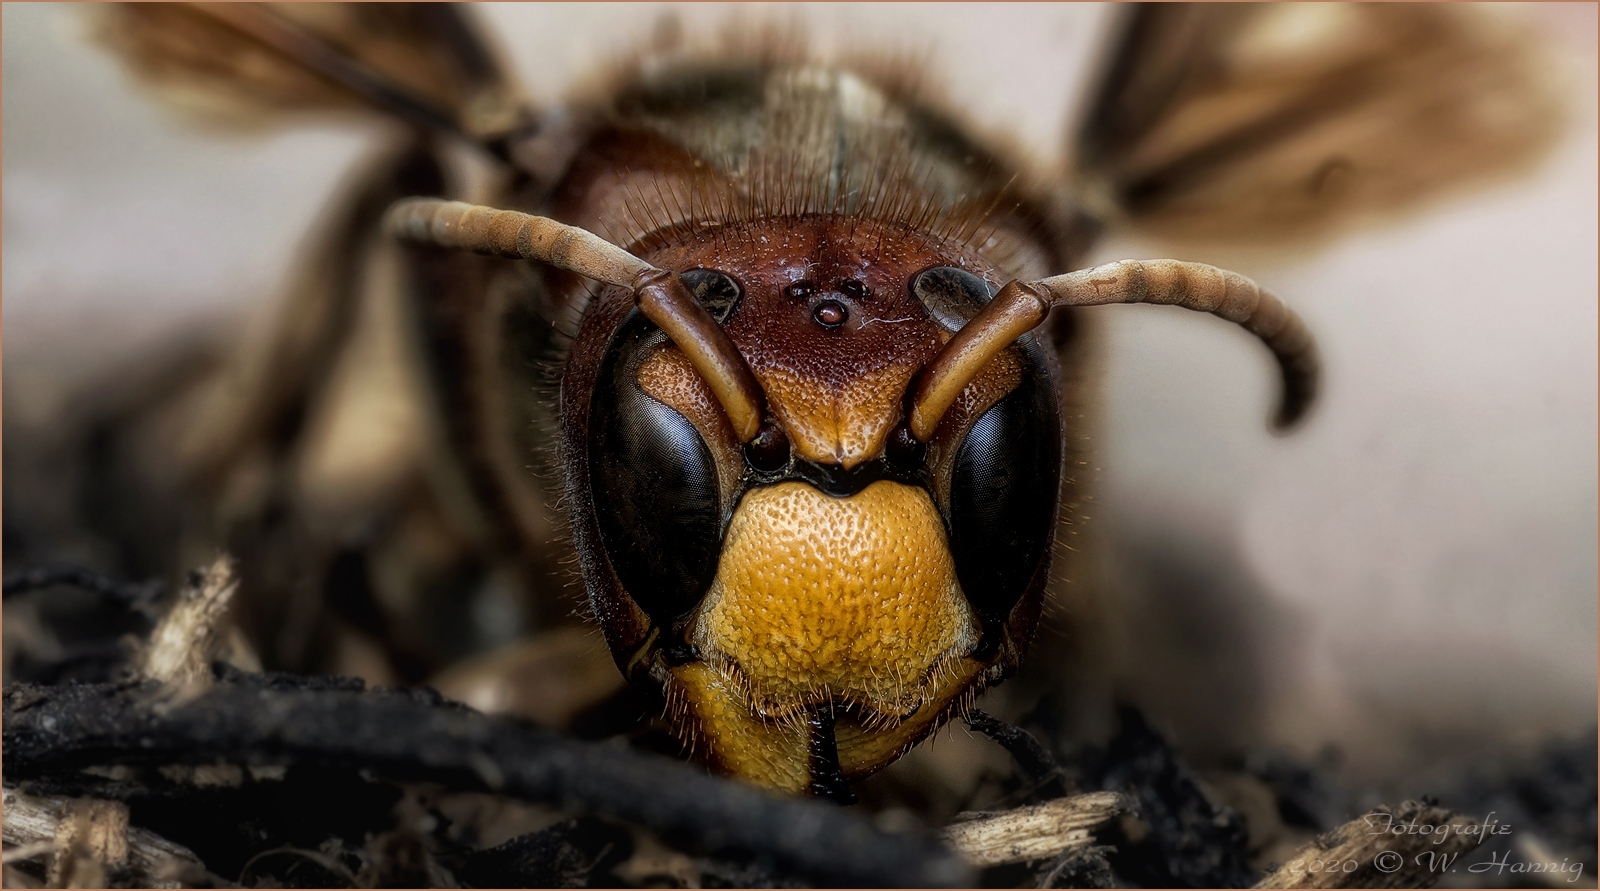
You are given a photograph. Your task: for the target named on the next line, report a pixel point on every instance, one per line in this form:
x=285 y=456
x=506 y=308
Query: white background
x=1433 y=530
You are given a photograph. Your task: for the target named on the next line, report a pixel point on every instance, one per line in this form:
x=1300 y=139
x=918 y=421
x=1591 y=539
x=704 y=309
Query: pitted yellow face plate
x=849 y=600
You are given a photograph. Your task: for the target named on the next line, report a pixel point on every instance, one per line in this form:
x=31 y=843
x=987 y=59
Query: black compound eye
x=1004 y=490
x=654 y=484
x=951 y=295
x=717 y=291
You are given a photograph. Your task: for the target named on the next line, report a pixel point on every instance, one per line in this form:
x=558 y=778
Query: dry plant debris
x=1365 y=853
x=178 y=770
x=1034 y=832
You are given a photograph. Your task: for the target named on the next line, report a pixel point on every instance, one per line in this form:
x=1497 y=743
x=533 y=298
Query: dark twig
x=570 y=854
x=140 y=595
x=54 y=732
x=1181 y=838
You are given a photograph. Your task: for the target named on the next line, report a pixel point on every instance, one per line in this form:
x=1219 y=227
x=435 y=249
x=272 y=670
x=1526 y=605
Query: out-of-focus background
x=1418 y=562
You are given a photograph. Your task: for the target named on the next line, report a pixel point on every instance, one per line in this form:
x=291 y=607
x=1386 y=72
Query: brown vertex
x=836 y=390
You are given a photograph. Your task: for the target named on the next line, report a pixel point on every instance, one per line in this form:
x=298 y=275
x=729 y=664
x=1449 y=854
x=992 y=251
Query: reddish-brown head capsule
x=812 y=454
x=831 y=565
x=815 y=569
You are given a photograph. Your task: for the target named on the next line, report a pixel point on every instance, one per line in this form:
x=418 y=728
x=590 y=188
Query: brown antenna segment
x=1019 y=308
x=659 y=294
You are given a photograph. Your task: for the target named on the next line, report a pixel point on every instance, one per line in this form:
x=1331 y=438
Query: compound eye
x=1004 y=490
x=717 y=291
x=654 y=484
x=950 y=294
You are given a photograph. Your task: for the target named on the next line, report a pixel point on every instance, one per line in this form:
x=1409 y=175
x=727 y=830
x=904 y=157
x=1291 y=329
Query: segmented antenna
x=1019 y=308
x=659 y=294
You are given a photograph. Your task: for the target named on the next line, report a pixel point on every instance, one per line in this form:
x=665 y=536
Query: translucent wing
x=1272 y=122
x=236 y=61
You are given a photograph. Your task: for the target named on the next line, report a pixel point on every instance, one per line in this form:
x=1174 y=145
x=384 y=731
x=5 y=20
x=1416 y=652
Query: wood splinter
x=182 y=645
x=91 y=843
x=1385 y=848
x=1035 y=832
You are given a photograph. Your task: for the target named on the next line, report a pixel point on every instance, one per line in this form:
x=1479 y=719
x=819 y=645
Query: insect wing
x=425 y=62
x=1277 y=122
